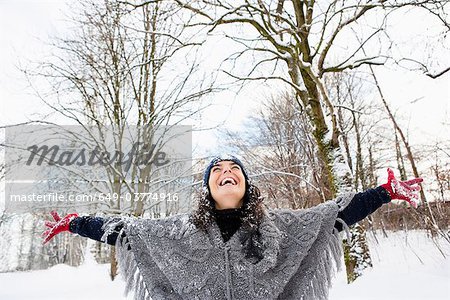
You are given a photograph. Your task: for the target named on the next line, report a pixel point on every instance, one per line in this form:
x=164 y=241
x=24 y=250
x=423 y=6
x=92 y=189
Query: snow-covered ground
x=405 y=267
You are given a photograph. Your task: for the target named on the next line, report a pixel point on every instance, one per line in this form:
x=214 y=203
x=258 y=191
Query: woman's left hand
x=403 y=190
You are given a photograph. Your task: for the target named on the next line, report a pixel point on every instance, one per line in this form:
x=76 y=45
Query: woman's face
x=227 y=185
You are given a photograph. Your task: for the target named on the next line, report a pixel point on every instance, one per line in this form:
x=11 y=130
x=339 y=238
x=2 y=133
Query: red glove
x=58 y=226
x=403 y=190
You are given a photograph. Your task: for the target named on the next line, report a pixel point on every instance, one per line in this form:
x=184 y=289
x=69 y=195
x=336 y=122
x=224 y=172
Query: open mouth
x=228 y=181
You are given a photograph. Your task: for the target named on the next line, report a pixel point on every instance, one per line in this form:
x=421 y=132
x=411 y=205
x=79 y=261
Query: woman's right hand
x=58 y=226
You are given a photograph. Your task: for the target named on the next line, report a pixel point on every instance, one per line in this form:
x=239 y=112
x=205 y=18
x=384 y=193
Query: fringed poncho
x=171 y=259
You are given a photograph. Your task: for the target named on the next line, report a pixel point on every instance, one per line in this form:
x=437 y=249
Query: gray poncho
x=171 y=259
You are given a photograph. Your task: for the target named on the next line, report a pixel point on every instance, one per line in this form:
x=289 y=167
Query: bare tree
x=281 y=151
x=297 y=43
x=115 y=73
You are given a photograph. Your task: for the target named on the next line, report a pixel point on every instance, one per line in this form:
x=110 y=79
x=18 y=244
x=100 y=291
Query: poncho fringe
x=128 y=266
x=327 y=266
x=311 y=245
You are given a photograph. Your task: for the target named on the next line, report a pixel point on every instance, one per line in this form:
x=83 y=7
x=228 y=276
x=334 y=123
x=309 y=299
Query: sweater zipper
x=227 y=272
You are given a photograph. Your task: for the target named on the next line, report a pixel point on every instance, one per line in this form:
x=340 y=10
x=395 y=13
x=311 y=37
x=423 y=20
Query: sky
x=421 y=103
x=26 y=26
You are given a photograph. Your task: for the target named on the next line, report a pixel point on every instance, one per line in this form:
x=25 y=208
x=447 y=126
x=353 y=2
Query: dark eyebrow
x=218 y=164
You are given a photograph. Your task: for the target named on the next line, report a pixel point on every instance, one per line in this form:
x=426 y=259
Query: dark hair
x=252 y=214
x=252 y=209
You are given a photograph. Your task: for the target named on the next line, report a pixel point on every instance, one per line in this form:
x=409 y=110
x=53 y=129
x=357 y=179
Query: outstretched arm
x=362 y=205
x=90 y=227
x=365 y=203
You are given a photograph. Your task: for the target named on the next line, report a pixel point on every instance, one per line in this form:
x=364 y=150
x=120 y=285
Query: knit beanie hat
x=218 y=159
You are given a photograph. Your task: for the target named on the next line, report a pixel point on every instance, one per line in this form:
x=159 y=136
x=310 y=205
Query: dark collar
x=228 y=221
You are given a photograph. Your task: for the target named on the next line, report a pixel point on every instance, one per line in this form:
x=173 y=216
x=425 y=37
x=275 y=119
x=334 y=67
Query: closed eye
x=235 y=166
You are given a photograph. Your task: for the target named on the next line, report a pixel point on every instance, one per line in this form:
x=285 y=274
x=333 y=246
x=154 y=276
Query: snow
x=405 y=267
x=87 y=282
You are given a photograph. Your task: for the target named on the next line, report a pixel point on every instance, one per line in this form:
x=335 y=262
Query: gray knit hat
x=218 y=159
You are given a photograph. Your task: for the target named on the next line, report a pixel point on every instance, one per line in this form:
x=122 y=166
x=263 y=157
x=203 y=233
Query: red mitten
x=403 y=190
x=58 y=226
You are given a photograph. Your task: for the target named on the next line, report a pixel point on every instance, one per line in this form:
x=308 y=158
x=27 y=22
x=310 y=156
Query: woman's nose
x=226 y=169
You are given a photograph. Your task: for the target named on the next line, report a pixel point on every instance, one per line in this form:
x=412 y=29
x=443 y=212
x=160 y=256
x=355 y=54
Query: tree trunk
x=360 y=174
x=400 y=161
x=113 y=269
x=330 y=152
x=356 y=253
x=372 y=176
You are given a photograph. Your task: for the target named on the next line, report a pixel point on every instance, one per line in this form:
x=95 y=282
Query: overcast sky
x=25 y=27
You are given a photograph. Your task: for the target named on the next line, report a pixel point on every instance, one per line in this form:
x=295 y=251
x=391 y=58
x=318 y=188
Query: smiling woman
x=227 y=184
x=231 y=247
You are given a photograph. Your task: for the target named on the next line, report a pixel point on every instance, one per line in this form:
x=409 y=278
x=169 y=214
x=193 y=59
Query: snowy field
x=405 y=267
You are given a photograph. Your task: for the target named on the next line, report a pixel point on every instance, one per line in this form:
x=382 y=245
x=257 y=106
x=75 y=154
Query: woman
x=231 y=247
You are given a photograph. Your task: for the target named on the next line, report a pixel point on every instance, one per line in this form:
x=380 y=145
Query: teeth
x=228 y=180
